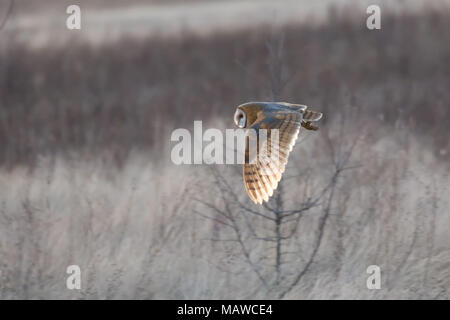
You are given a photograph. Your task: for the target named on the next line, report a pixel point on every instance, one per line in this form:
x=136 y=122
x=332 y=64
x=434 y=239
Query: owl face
x=239 y=118
x=246 y=114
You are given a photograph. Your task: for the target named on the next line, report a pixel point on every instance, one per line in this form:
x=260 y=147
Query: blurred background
x=85 y=171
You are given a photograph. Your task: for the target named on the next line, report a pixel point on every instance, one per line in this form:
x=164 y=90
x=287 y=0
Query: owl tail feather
x=309 y=115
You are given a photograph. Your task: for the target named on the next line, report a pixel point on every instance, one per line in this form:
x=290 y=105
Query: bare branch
x=213 y=219
x=340 y=164
x=8 y=13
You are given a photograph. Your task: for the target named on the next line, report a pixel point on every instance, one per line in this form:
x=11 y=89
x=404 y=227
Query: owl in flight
x=262 y=174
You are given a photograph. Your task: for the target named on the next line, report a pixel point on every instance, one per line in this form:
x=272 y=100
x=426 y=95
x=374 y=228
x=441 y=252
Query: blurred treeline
x=118 y=96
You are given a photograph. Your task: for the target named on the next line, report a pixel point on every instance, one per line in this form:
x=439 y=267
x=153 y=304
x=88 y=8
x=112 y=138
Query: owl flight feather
x=263 y=173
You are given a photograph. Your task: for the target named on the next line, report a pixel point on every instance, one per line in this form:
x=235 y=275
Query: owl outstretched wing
x=262 y=174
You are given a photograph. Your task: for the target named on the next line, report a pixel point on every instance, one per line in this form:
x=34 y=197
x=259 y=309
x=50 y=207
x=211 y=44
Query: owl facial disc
x=239 y=118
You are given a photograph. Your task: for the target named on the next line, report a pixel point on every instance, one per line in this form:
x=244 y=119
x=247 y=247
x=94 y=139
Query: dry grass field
x=86 y=176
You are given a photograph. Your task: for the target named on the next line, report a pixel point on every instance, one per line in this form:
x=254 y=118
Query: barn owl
x=261 y=176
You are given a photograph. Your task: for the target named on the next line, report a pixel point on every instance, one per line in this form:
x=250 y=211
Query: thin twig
x=8 y=13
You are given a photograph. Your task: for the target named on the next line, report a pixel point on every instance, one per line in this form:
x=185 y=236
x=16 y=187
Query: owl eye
x=239 y=118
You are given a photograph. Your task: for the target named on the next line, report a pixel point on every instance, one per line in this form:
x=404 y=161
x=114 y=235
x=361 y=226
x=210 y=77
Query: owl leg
x=307 y=125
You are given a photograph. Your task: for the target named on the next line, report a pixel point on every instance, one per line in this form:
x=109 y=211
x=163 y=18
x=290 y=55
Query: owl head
x=246 y=114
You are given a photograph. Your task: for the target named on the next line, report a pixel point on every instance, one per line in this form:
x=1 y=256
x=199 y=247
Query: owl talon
x=307 y=125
